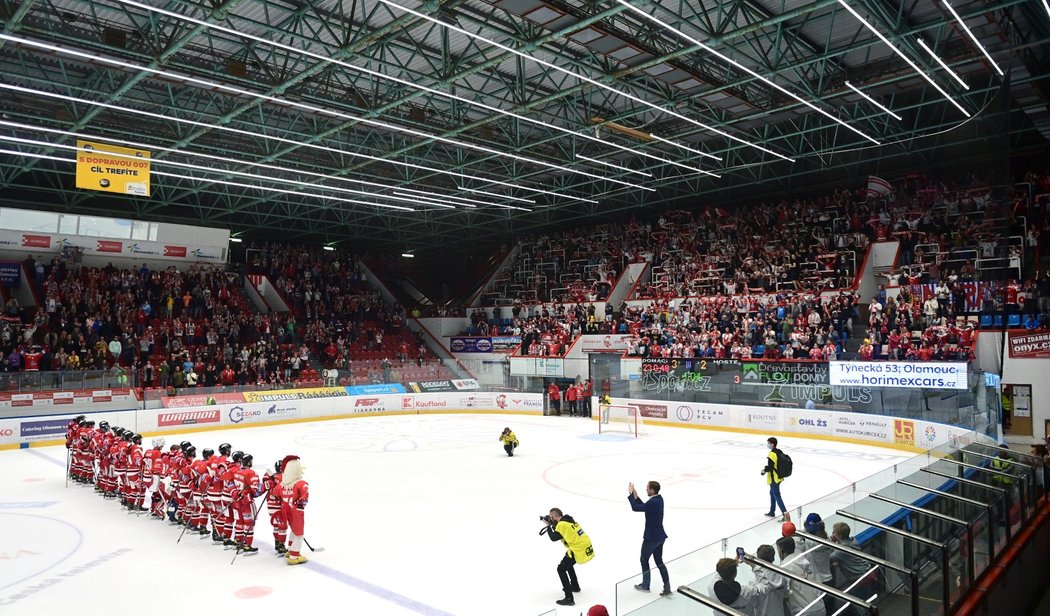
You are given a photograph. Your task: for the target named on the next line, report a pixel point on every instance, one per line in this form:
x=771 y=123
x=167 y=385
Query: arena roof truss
x=396 y=124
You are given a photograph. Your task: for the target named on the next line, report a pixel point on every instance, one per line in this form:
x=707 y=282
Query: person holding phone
x=653 y=536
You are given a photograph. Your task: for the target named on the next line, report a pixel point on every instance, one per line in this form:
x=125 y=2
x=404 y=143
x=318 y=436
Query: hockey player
x=176 y=461
x=120 y=465
x=134 y=476
x=199 y=482
x=184 y=497
x=246 y=488
x=109 y=462
x=226 y=497
x=272 y=486
x=72 y=428
x=82 y=465
x=295 y=493
x=99 y=446
x=154 y=468
x=217 y=466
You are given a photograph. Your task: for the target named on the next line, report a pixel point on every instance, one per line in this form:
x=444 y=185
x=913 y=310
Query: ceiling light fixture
x=923 y=44
x=904 y=57
x=593 y=82
x=408 y=255
x=264 y=178
x=328 y=247
x=872 y=100
x=614 y=166
x=319 y=110
x=973 y=38
x=236 y=240
x=492 y=194
x=130 y=110
x=385 y=76
x=747 y=70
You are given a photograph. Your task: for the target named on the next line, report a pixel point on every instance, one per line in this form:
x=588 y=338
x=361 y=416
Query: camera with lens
x=546 y=519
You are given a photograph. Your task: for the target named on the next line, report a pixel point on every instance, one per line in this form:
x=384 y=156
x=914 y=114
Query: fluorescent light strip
x=923 y=44
x=223 y=182
x=499 y=205
x=319 y=110
x=904 y=57
x=492 y=194
x=872 y=101
x=263 y=178
x=593 y=82
x=236 y=131
x=404 y=82
x=433 y=200
x=155 y=148
x=747 y=70
x=1046 y=5
x=608 y=164
x=973 y=38
x=676 y=144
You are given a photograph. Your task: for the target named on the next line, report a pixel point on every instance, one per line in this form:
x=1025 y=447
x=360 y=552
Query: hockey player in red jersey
x=185 y=499
x=98 y=449
x=120 y=466
x=272 y=486
x=72 y=428
x=217 y=466
x=135 y=487
x=109 y=461
x=226 y=498
x=199 y=482
x=246 y=488
x=295 y=493
x=82 y=467
x=172 y=496
x=154 y=468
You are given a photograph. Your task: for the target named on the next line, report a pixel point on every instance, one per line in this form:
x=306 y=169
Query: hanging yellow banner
x=111 y=168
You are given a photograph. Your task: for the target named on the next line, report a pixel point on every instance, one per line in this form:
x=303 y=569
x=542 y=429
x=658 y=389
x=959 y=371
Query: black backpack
x=784 y=464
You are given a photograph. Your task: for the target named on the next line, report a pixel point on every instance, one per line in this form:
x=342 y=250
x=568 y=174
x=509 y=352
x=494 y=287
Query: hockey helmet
x=158 y=442
x=246 y=460
x=79 y=418
x=137 y=439
x=225 y=449
x=127 y=435
x=190 y=452
x=237 y=455
x=103 y=425
x=277 y=466
x=184 y=445
x=207 y=453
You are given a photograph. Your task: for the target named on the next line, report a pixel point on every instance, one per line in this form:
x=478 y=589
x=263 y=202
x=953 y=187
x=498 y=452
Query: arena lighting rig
x=903 y=56
x=873 y=101
x=726 y=59
x=585 y=79
x=492 y=194
x=398 y=80
x=973 y=38
x=938 y=59
x=613 y=165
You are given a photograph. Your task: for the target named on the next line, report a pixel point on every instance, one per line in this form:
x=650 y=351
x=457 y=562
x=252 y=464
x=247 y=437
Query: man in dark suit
x=654 y=536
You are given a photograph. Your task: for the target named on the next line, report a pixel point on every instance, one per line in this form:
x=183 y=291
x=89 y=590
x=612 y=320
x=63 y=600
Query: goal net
x=620 y=419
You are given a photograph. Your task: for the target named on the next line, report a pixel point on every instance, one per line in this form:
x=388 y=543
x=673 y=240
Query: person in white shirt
x=802 y=599
x=734 y=594
x=769 y=603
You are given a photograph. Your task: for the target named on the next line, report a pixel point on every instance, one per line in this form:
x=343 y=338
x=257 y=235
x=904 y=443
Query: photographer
x=578 y=549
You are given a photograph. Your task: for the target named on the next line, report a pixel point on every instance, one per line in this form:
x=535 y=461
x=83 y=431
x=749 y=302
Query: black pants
x=509 y=448
x=567 y=574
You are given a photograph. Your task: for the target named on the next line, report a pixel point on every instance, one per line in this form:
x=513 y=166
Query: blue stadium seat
x=758 y=350
x=1014 y=320
x=998 y=320
x=986 y=320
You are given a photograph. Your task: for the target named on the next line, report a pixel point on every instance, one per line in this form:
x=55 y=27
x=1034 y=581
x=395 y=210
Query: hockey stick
x=255 y=514
x=312 y=548
x=67 y=467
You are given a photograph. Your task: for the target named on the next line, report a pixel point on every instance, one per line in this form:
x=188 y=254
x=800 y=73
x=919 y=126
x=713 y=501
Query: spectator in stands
x=846 y=567
x=802 y=599
x=731 y=592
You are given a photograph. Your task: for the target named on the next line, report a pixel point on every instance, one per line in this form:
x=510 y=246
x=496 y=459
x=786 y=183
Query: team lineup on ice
x=423 y=514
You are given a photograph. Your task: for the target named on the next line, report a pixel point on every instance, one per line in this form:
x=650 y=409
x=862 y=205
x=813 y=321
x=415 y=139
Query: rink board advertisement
x=875 y=429
x=907 y=374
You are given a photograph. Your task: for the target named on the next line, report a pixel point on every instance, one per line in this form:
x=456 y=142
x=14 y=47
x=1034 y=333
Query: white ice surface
x=418 y=515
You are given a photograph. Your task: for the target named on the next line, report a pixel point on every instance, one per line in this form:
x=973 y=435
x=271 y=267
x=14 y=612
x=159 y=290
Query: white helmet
x=158 y=442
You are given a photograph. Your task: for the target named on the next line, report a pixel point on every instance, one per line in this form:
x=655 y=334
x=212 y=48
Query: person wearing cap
x=654 y=536
x=295 y=493
x=598 y=610
x=866 y=351
x=819 y=555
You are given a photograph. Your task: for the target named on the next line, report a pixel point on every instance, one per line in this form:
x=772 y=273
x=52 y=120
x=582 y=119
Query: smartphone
x=740 y=554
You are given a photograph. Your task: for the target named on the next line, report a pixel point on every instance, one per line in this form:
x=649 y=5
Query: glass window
x=67 y=224
x=105 y=227
x=28 y=220
x=153 y=227
x=139 y=230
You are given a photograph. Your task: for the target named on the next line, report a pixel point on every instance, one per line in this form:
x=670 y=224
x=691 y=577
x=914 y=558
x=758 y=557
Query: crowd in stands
x=840 y=566
x=197 y=328
x=781 y=326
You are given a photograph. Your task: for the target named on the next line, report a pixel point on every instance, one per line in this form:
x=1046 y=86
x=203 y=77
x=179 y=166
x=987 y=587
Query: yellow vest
x=577 y=543
x=1004 y=475
x=509 y=438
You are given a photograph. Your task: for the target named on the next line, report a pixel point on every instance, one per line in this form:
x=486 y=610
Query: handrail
x=939 y=516
x=986 y=506
x=717 y=606
x=824 y=588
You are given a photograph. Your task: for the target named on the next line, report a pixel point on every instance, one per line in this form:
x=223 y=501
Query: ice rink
x=417 y=514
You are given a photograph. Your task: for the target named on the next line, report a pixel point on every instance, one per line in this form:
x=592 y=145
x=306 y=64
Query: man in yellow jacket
x=578 y=549
x=510 y=442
